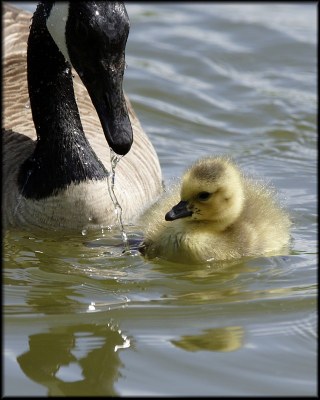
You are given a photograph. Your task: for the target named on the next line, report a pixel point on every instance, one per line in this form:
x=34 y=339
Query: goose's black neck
x=62 y=154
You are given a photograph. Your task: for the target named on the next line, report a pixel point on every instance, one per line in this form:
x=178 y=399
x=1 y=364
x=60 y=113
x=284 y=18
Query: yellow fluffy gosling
x=220 y=214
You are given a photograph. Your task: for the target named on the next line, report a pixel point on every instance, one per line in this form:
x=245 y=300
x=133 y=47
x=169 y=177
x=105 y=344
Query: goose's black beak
x=178 y=211
x=109 y=101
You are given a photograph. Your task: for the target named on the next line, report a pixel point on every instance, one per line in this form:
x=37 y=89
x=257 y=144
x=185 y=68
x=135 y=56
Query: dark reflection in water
x=49 y=352
x=72 y=357
x=229 y=338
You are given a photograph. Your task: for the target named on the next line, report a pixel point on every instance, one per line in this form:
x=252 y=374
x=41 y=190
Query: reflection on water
x=53 y=356
x=83 y=318
x=229 y=338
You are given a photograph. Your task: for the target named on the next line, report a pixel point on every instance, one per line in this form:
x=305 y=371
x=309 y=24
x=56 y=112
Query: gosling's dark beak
x=178 y=211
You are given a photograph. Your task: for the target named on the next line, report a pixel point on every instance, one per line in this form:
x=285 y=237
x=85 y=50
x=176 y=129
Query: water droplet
x=84 y=232
x=27 y=105
x=90 y=219
x=97 y=13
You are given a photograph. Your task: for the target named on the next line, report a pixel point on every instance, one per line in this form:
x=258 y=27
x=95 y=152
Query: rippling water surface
x=81 y=318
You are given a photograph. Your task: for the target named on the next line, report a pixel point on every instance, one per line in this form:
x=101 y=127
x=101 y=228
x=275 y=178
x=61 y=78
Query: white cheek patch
x=56 y=24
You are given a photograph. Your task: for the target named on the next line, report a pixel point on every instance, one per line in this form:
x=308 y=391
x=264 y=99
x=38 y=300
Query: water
x=82 y=318
x=114 y=159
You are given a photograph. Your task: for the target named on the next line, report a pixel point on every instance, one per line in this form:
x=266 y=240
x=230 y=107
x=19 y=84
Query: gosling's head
x=211 y=191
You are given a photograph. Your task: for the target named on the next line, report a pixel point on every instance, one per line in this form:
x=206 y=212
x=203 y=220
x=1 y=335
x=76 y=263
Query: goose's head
x=92 y=36
x=211 y=191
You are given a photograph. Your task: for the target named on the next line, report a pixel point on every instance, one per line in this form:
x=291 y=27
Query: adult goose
x=219 y=215
x=55 y=165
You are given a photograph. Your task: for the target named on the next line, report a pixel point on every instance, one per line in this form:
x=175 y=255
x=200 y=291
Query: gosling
x=220 y=215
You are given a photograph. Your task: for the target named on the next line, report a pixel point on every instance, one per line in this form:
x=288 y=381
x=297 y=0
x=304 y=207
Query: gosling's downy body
x=55 y=165
x=219 y=215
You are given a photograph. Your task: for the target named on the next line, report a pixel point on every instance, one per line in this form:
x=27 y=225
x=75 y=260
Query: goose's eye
x=202 y=196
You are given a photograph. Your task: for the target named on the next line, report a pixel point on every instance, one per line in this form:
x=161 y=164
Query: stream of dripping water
x=114 y=159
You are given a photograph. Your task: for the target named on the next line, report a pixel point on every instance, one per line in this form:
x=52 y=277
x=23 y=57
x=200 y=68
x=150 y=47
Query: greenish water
x=82 y=318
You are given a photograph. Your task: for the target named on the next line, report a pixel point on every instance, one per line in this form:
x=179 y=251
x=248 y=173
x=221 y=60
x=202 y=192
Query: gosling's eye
x=202 y=196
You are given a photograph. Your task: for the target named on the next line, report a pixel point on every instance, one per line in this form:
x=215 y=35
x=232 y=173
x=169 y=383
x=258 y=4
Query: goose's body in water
x=220 y=214
x=55 y=165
